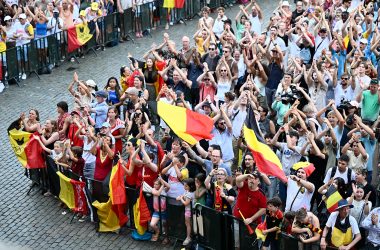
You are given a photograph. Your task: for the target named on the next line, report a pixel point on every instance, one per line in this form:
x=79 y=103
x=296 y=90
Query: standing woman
x=32 y=123
x=151 y=77
x=117 y=128
x=40 y=36
x=114 y=93
x=63 y=120
x=224 y=79
x=48 y=136
x=104 y=153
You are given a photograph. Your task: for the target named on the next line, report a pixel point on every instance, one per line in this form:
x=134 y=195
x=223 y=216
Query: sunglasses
x=223 y=70
x=206 y=79
x=345 y=79
x=225 y=51
x=211 y=49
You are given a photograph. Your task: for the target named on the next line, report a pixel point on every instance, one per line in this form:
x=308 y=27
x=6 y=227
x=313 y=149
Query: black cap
x=374 y=81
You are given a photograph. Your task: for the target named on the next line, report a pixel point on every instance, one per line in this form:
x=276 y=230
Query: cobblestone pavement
x=35 y=221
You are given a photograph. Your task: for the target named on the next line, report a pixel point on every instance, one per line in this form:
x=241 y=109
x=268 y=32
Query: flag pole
x=250 y=230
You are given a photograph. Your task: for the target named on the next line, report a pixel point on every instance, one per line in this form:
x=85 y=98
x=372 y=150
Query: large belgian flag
x=27 y=149
x=188 y=125
x=111 y=214
x=266 y=160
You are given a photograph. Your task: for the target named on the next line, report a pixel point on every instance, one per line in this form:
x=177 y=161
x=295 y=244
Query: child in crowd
x=273 y=219
x=159 y=205
x=56 y=153
x=200 y=189
x=186 y=199
x=88 y=142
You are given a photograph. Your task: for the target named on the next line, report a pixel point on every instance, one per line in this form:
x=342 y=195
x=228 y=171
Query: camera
x=55 y=14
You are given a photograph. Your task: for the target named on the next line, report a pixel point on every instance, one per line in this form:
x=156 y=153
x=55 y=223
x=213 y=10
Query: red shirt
x=77 y=167
x=132 y=180
x=102 y=168
x=75 y=140
x=249 y=202
x=149 y=176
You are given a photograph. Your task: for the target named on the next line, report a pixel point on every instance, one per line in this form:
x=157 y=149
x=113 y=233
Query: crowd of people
x=311 y=78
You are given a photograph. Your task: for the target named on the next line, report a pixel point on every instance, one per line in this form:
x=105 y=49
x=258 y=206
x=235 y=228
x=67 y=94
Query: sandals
x=154 y=237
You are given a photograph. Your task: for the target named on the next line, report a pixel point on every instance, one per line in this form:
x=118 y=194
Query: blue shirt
x=369 y=145
x=224 y=140
x=101 y=110
x=341 y=57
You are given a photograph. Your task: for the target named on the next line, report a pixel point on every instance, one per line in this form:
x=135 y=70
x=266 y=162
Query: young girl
x=186 y=199
x=159 y=205
x=200 y=189
x=88 y=142
x=56 y=153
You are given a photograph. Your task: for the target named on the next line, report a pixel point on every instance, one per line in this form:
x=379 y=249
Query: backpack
x=349 y=173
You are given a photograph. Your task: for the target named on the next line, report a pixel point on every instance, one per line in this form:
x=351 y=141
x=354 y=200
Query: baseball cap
x=22 y=16
x=7 y=18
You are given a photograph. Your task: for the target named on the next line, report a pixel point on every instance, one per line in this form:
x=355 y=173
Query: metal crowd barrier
x=41 y=55
x=211 y=229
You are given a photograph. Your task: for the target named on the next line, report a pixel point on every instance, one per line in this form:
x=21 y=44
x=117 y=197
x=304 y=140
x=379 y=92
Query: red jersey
x=77 y=167
x=249 y=202
x=102 y=168
x=149 y=176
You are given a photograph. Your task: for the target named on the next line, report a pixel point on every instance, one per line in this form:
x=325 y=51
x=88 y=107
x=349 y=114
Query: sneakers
x=167 y=26
x=47 y=194
x=23 y=76
x=186 y=242
x=2 y=87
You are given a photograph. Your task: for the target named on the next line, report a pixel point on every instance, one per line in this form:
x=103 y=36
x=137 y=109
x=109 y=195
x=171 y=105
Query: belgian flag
x=266 y=160
x=111 y=214
x=27 y=149
x=188 y=125
x=77 y=36
x=332 y=198
x=72 y=193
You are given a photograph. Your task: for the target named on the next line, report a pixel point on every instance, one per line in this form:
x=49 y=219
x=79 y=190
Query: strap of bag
x=291 y=205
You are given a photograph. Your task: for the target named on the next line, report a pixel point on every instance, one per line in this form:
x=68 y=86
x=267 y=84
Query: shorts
x=187 y=213
x=25 y=54
x=161 y=215
x=41 y=42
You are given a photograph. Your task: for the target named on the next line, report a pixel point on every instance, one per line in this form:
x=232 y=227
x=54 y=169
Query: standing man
x=100 y=108
x=345 y=232
x=370 y=101
x=251 y=201
x=219 y=24
x=372 y=224
x=222 y=133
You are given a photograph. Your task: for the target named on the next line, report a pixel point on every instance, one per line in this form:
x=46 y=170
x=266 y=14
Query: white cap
x=22 y=16
x=363 y=40
x=91 y=83
x=285 y=3
x=7 y=18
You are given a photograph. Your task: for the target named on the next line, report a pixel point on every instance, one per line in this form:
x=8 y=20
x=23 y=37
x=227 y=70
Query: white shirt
x=333 y=217
x=338 y=174
x=358 y=210
x=238 y=121
x=256 y=24
x=361 y=79
x=302 y=199
x=320 y=44
x=373 y=230
x=341 y=94
x=219 y=26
